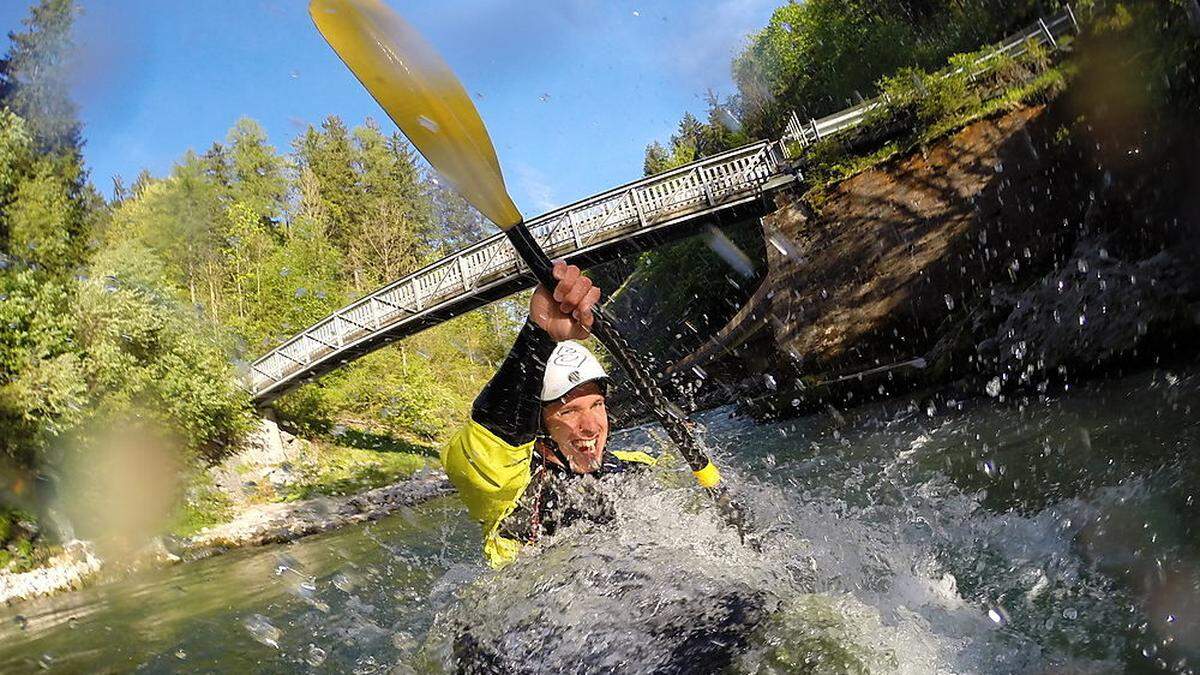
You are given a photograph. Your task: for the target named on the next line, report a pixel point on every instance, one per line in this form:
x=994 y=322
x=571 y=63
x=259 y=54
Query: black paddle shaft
x=669 y=415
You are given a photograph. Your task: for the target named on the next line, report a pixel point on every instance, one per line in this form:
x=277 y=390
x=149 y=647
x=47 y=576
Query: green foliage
x=44 y=219
x=145 y=349
x=695 y=140
x=212 y=264
x=420 y=389
x=34 y=77
x=254 y=171
x=16 y=156
x=688 y=279
x=816 y=57
x=18 y=540
x=335 y=469
x=204 y=505
x=42 y=391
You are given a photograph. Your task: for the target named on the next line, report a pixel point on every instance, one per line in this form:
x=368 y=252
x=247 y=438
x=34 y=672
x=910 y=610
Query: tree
x=329 y=155
x=43 y=191
x=182 y=220
x=393 y=236
x=817 y=56
x=455 y=223
x=44 y=222
x=34 y=77
x=255 y=171
x=42 y=391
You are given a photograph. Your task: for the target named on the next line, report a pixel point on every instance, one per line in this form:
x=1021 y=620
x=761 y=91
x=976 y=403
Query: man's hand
x=566 y=314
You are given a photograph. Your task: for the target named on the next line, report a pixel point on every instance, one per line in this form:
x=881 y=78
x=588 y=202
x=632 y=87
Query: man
x=526 y=462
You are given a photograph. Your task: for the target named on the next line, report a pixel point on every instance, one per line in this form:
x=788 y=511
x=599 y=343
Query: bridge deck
x=587 y=232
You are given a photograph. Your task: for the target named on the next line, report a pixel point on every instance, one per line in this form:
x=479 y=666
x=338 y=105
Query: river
x=1054 y=533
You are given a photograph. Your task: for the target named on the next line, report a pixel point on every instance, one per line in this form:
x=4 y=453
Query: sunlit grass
x=832 y=163
x=338 y=470
x=205 y=506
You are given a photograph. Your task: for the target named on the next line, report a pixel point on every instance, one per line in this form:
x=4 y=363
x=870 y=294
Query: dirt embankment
x=1021 y=247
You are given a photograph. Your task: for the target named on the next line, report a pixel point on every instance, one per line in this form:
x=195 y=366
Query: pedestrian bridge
x=600 y=228
x=730 y=185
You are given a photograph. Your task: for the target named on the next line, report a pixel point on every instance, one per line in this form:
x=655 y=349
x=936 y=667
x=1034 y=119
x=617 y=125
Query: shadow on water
x=987 y=535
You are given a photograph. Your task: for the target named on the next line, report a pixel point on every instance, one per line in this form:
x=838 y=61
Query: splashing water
x=880 y=546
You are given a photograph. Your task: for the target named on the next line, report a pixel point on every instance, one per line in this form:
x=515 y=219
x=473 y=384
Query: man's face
x=578 y=423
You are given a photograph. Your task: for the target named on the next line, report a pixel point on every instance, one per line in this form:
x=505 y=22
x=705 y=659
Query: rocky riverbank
x=79 y=564
x=1024 y=250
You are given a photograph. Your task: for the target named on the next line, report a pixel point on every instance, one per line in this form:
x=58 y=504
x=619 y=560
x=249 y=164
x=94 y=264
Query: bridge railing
x=625 y=210
x=1041 y=32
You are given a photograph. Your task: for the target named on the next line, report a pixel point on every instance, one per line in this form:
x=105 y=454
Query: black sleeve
x=510 y=404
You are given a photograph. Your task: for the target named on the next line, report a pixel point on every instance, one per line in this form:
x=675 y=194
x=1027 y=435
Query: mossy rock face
x=815 y=634
x=18 y=540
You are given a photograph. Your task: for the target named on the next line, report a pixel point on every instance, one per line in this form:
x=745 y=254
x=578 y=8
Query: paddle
x=425 y=99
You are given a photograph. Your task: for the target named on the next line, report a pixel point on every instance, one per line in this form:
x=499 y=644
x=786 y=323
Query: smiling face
x=578 y=423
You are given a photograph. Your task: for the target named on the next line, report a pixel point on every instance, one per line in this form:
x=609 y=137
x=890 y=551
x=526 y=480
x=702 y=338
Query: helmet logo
x=568 y=356
x=573 y=377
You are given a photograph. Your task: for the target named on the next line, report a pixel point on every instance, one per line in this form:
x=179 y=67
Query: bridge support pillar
x=270 y=439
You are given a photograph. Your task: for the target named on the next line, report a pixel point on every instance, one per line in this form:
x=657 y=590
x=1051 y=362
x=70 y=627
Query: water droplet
x=729 y=252
x=795 y=403
x=989 y=468
x=998 y=616
x=949 y=301
x=21 y=621
x=342 y=582
x=428 y=124
x=180 y=654
x=261 y=629
x=404 y=641
x=1081 y=265
x=993 y=387
x=46 y=662
x=315 y=656
x=301 y=292
x=1070 y=614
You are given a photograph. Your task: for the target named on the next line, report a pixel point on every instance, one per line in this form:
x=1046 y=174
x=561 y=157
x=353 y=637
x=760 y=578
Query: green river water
x=927 y=534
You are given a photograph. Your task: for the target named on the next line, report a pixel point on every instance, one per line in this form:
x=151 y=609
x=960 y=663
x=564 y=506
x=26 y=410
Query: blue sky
x=572 y=91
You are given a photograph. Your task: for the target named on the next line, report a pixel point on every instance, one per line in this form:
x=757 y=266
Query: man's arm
x=510 y=403
x=488 y=460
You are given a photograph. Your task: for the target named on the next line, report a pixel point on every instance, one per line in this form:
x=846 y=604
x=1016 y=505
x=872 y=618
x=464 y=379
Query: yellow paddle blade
x=422 y=96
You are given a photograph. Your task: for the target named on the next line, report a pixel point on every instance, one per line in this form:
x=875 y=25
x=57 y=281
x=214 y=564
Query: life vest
x=492 y=478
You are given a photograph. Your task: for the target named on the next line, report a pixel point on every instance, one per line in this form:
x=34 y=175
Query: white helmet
x=569 y=365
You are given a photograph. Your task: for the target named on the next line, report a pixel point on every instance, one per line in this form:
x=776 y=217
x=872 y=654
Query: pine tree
x=255 y=171
x=329 y=154
x=44 y=193
x=456 y=224
x=34 y=77
x=393 y=236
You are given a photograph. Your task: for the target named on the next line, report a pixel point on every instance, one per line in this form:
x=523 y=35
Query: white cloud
x=713 y=34
x=538 y=194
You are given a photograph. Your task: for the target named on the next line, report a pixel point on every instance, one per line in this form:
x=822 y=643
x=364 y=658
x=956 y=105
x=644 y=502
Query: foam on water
x=1050 y=535
x=822 y=586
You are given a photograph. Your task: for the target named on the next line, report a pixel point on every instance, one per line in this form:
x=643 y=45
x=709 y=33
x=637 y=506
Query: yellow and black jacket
x=492 y=464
